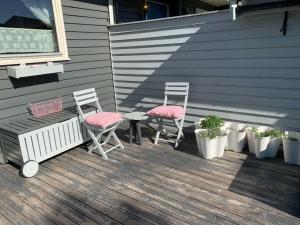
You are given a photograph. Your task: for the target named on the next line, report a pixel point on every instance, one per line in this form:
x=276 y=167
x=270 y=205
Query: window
x=31 y=31
x=157 y=10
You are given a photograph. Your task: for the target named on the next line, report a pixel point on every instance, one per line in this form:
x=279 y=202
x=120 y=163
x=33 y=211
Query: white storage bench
x=29 y=141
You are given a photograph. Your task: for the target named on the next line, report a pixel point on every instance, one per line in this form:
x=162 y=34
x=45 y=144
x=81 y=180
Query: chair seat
x=103 y=119
x=168 y=112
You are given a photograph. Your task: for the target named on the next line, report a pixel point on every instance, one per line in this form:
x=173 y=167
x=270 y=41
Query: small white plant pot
x=266 y=147
x=263 y=147
x=291 y=148
x=251 y=137
x=211 y=148
x=236 y=137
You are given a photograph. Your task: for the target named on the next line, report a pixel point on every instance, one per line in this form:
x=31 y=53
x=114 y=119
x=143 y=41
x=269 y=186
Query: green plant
x=274 y=133
x=210 y=133
x=212 y=122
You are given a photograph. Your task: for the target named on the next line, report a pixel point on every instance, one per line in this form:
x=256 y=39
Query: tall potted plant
x=211 y=139
x=265 y=142
x=291 y=148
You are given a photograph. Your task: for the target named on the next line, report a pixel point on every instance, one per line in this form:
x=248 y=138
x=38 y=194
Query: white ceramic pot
x=236 y=136
x=211 y=148
x=291 y=149
x=251 y=137
x=265 y=147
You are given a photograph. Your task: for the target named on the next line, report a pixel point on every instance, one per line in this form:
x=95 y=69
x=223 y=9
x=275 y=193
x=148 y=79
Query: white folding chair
x=87 y=97
x=180 y=89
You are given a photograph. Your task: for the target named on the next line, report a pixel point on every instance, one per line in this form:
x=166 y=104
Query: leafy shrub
x=212 y=122
x=212 y=125
x=273 y=133
x=210 y=133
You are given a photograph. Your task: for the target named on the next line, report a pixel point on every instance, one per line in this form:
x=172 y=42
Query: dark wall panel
x=90 y=65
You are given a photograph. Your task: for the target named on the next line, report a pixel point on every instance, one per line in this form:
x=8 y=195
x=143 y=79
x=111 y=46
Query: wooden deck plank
x=158 y=203
x=152 y=184
x=48 y=198
x=183 y=202
x=41 y=209
x=20 y=210
x=12 y=214
x=245 y=175
x=82 y=202
x=272 y=165
x=99 y=200
x=217 y=199
x=88 y=178
x=214 y=185
x=4 y=220
x=263 y=191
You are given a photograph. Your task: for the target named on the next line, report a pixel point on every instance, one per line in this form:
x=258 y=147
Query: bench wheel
x=30 y=169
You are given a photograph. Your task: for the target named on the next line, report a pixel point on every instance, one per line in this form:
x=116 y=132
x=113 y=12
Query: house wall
x=90 y=65
x=243 y=70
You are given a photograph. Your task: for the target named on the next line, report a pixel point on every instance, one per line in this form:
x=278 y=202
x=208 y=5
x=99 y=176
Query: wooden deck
x=152 y=185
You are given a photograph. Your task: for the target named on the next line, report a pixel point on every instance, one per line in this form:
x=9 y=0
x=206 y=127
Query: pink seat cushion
x=169 y=112
x=103 y=119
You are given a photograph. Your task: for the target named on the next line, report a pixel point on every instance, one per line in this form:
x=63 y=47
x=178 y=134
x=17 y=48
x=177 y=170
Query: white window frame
x=61 y=55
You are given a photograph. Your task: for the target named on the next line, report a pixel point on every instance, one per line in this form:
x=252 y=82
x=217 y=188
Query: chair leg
x=160 y=127
x=180 y=133
x=97 y=144
x=108 y=137
x=117 y=140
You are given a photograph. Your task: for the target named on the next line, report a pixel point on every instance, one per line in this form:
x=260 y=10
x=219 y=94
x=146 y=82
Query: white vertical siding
x=243 y=70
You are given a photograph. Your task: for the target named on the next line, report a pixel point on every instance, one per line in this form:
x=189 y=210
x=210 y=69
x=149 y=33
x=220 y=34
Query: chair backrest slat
x=177 y=84
x=183 y=93
x=85 y=97
x=177 y=89
x=87 y=101
x=83 y=92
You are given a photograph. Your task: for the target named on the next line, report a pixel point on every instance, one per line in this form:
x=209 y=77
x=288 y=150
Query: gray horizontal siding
x=244 y=70
x=90 y=65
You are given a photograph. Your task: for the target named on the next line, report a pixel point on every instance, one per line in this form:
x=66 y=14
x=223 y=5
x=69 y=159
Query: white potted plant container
x=211 y=139
x=251 y=136
x=291 y=148
x=265 y=142
x=236 y=136
x=250 y=140
x=211 y=147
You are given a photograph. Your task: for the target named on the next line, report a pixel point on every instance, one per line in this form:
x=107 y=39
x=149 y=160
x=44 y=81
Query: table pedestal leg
x=139 y=133
x=131 y=131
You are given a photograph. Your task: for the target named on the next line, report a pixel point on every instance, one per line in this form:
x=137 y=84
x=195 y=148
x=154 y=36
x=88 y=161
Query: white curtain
x=40 y=9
